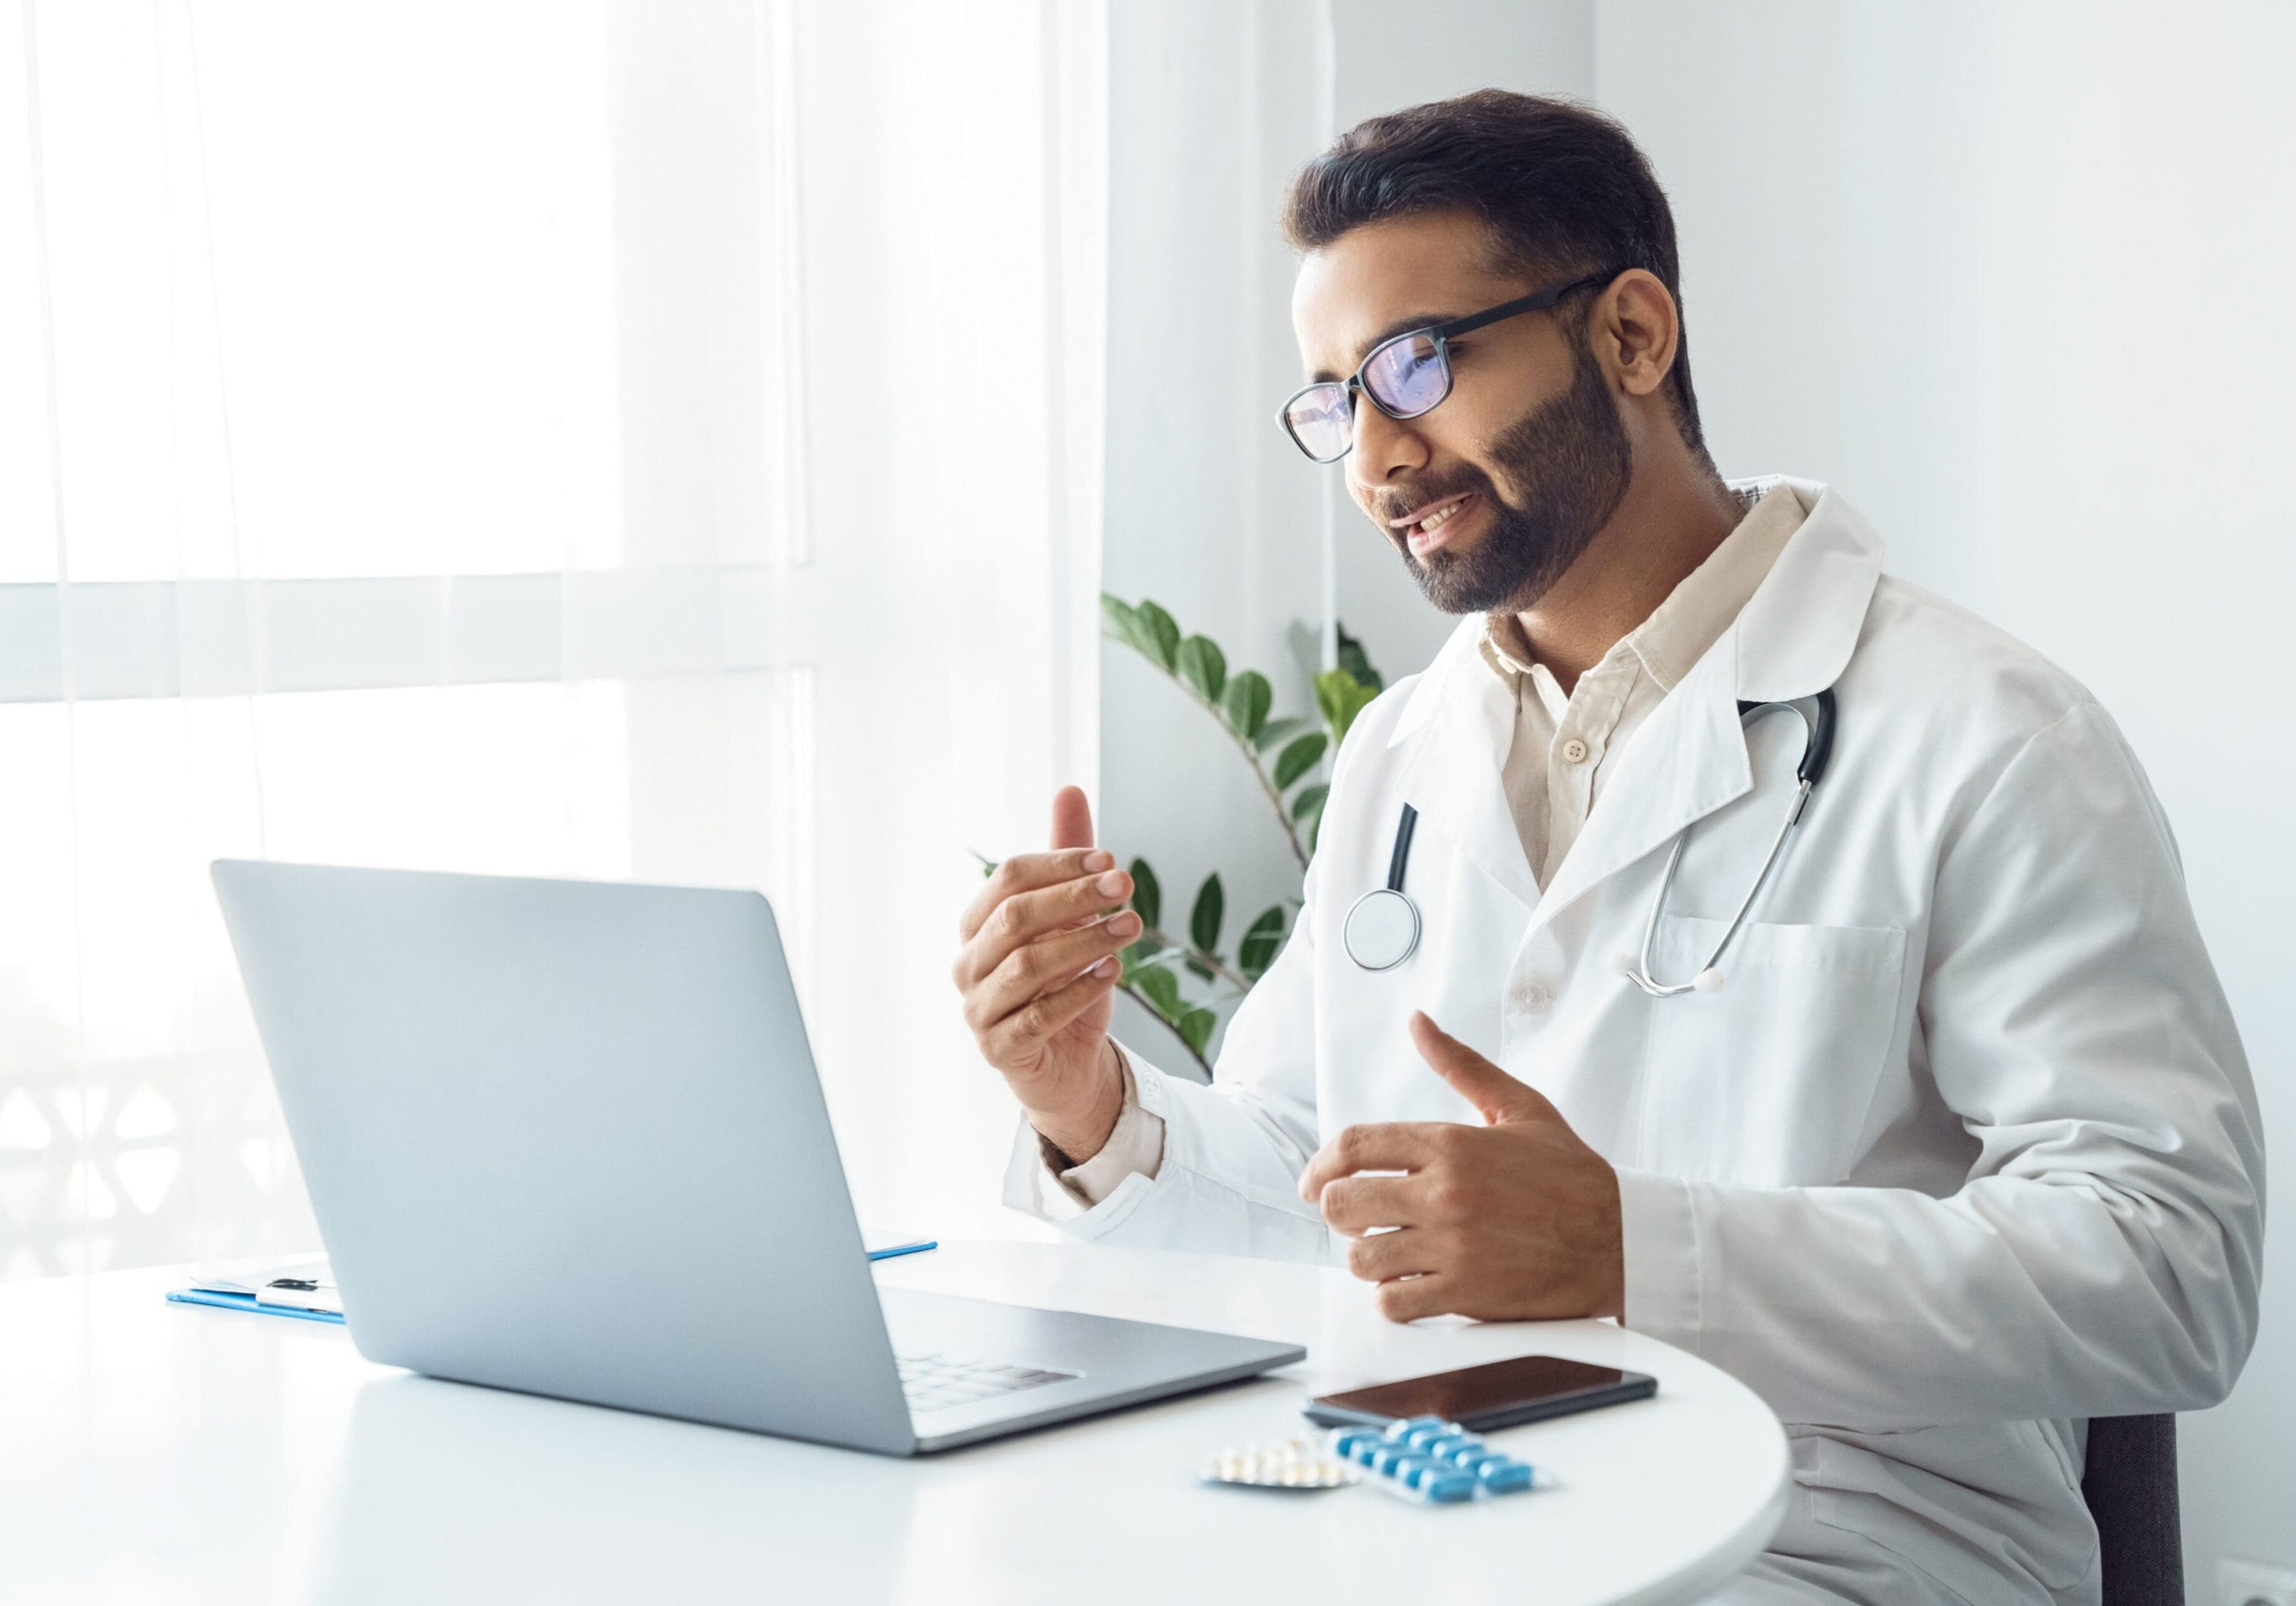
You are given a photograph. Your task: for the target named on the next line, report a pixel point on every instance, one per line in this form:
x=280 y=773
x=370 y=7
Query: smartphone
x=1482 y=1400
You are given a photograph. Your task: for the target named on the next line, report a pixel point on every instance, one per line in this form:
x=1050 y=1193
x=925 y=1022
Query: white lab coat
x=1963 y=1151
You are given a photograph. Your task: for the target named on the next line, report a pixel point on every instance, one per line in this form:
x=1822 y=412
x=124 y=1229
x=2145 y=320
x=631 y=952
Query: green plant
x=1286 y=756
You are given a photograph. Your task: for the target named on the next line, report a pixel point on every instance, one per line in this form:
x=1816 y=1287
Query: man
x=1950 y=1147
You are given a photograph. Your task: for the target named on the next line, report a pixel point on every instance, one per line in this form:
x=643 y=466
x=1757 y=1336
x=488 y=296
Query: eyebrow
x=1425 y=320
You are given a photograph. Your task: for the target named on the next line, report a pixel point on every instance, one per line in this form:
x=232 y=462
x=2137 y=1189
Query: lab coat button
x=1574 y=751
x=1533 y=997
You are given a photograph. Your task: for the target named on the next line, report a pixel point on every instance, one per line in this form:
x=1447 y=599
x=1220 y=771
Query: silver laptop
x=566 y=1137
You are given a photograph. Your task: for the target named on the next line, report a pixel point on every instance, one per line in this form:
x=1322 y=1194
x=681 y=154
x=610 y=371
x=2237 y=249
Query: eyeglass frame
x=1442 y=333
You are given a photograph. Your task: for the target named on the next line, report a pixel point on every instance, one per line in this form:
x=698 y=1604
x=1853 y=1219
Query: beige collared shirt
x=1563 y=749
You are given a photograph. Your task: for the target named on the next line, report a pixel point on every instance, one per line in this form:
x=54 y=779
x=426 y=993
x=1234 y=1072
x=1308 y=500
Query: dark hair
x=1564 y=189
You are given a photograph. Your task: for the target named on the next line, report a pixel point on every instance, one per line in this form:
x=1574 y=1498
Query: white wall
x=2016 y=279
x=1211 y=103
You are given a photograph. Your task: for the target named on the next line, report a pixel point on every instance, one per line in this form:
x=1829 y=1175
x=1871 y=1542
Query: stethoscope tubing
x=1817 y=751
x=1375 y=916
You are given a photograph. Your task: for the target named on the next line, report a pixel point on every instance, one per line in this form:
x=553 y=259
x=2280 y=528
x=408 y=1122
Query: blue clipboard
x=222 y=1301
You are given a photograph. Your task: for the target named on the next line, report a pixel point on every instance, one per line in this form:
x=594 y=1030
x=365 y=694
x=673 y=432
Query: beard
x=1569 y=462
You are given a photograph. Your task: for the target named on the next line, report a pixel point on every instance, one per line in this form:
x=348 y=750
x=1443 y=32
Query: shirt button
x=1574 y=751
x=1533 y=997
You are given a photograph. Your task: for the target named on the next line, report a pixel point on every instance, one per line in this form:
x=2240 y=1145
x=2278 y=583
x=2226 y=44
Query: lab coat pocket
x=1766 y=1080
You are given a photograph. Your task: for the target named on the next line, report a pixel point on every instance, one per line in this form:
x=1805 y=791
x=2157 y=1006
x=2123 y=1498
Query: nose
x=1386 y=449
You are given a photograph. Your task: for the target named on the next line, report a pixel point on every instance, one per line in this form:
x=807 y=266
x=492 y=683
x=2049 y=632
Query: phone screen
x=1496 y=1395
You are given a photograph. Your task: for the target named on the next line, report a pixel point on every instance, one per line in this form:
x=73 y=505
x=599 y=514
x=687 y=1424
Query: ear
x=1636 y=329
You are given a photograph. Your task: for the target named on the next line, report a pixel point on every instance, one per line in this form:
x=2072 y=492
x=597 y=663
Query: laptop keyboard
x=934 y=1382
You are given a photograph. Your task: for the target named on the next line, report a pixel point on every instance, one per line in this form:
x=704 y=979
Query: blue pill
x=1345 y=1442
x=1468 y=1454
x=1449 y=1487
x=1403 y=1426
x=1425 y=1439
x=1444 y=1444
x=1504 y=1475
x=1365 y=1453
x=1386 y=1458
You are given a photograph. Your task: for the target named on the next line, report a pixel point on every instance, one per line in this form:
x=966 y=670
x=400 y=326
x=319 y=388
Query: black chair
x=2130 y=1485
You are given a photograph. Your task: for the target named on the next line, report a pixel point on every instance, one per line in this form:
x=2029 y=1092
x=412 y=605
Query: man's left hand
x=1513 y=1220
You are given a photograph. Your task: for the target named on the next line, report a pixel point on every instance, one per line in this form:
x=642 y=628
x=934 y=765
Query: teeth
x=1441 y=514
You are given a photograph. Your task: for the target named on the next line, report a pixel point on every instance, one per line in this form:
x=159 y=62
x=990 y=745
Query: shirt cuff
x=1658 y=1242
x=1136 y=1144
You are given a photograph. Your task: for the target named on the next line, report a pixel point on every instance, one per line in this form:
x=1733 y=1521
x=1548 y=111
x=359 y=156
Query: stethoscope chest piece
x=1382 y=930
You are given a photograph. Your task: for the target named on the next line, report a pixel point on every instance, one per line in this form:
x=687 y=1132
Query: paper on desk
x=255 y=1278
x=326 y=1297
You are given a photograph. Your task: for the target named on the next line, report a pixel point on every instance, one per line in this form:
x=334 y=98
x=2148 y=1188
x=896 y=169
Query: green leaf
x=1275 y=729
x=1204 y=667
x=1139 y=957
x=1200 y=970
x=1162 y=989
x=1196 y=1026
x=1261 y=939
x=1341 y=697
x=1161 y=636
x=1147 y=897
x=1245 y=702
x=1352 y=659
x=1117 y=622
x=1124 y=623
x=1297 y=759
x=1204 y=919
x=1312 y=815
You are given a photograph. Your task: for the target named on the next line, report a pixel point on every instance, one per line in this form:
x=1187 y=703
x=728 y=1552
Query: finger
x=1408 y=1298
x=1025 y=872
x=1497 y=1097
x=1026 y=916
x=1376 y=1146
x=1041 y=967
x=1355 y=1205
x=1071 y=818
x=1383 y=1257
x=1023 y=1032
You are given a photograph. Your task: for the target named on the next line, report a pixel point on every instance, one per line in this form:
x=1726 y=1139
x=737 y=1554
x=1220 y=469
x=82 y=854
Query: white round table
x=157 y=1453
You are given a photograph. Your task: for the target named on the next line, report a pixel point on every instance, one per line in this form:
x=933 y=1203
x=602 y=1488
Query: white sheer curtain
x=618 y=439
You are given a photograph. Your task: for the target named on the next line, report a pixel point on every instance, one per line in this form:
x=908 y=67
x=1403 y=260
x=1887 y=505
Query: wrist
x=1611 y=1254
x=1082 y=1131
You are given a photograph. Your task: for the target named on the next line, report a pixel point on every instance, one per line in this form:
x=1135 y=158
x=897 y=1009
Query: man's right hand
x=1039 y=973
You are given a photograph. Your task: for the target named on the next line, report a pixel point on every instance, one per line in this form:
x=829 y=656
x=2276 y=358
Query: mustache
x=1387 y=506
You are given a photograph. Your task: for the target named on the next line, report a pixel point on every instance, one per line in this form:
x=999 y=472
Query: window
x=608 y=440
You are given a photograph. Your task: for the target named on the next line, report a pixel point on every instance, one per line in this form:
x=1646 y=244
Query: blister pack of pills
x=1427 y=1459
x=1300 y=1464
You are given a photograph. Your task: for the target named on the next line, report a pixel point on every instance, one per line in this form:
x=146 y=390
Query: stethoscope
x=1382 y=930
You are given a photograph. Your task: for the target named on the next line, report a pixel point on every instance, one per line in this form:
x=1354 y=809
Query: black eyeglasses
x=1405 y=376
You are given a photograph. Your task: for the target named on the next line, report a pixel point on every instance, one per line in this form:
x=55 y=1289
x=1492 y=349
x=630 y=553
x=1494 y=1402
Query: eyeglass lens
x=1407 y=376
x=1322 y=421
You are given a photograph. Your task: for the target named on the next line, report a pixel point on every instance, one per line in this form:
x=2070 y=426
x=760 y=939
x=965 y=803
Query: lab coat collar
x=1793 y=639
x=1796 y=633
